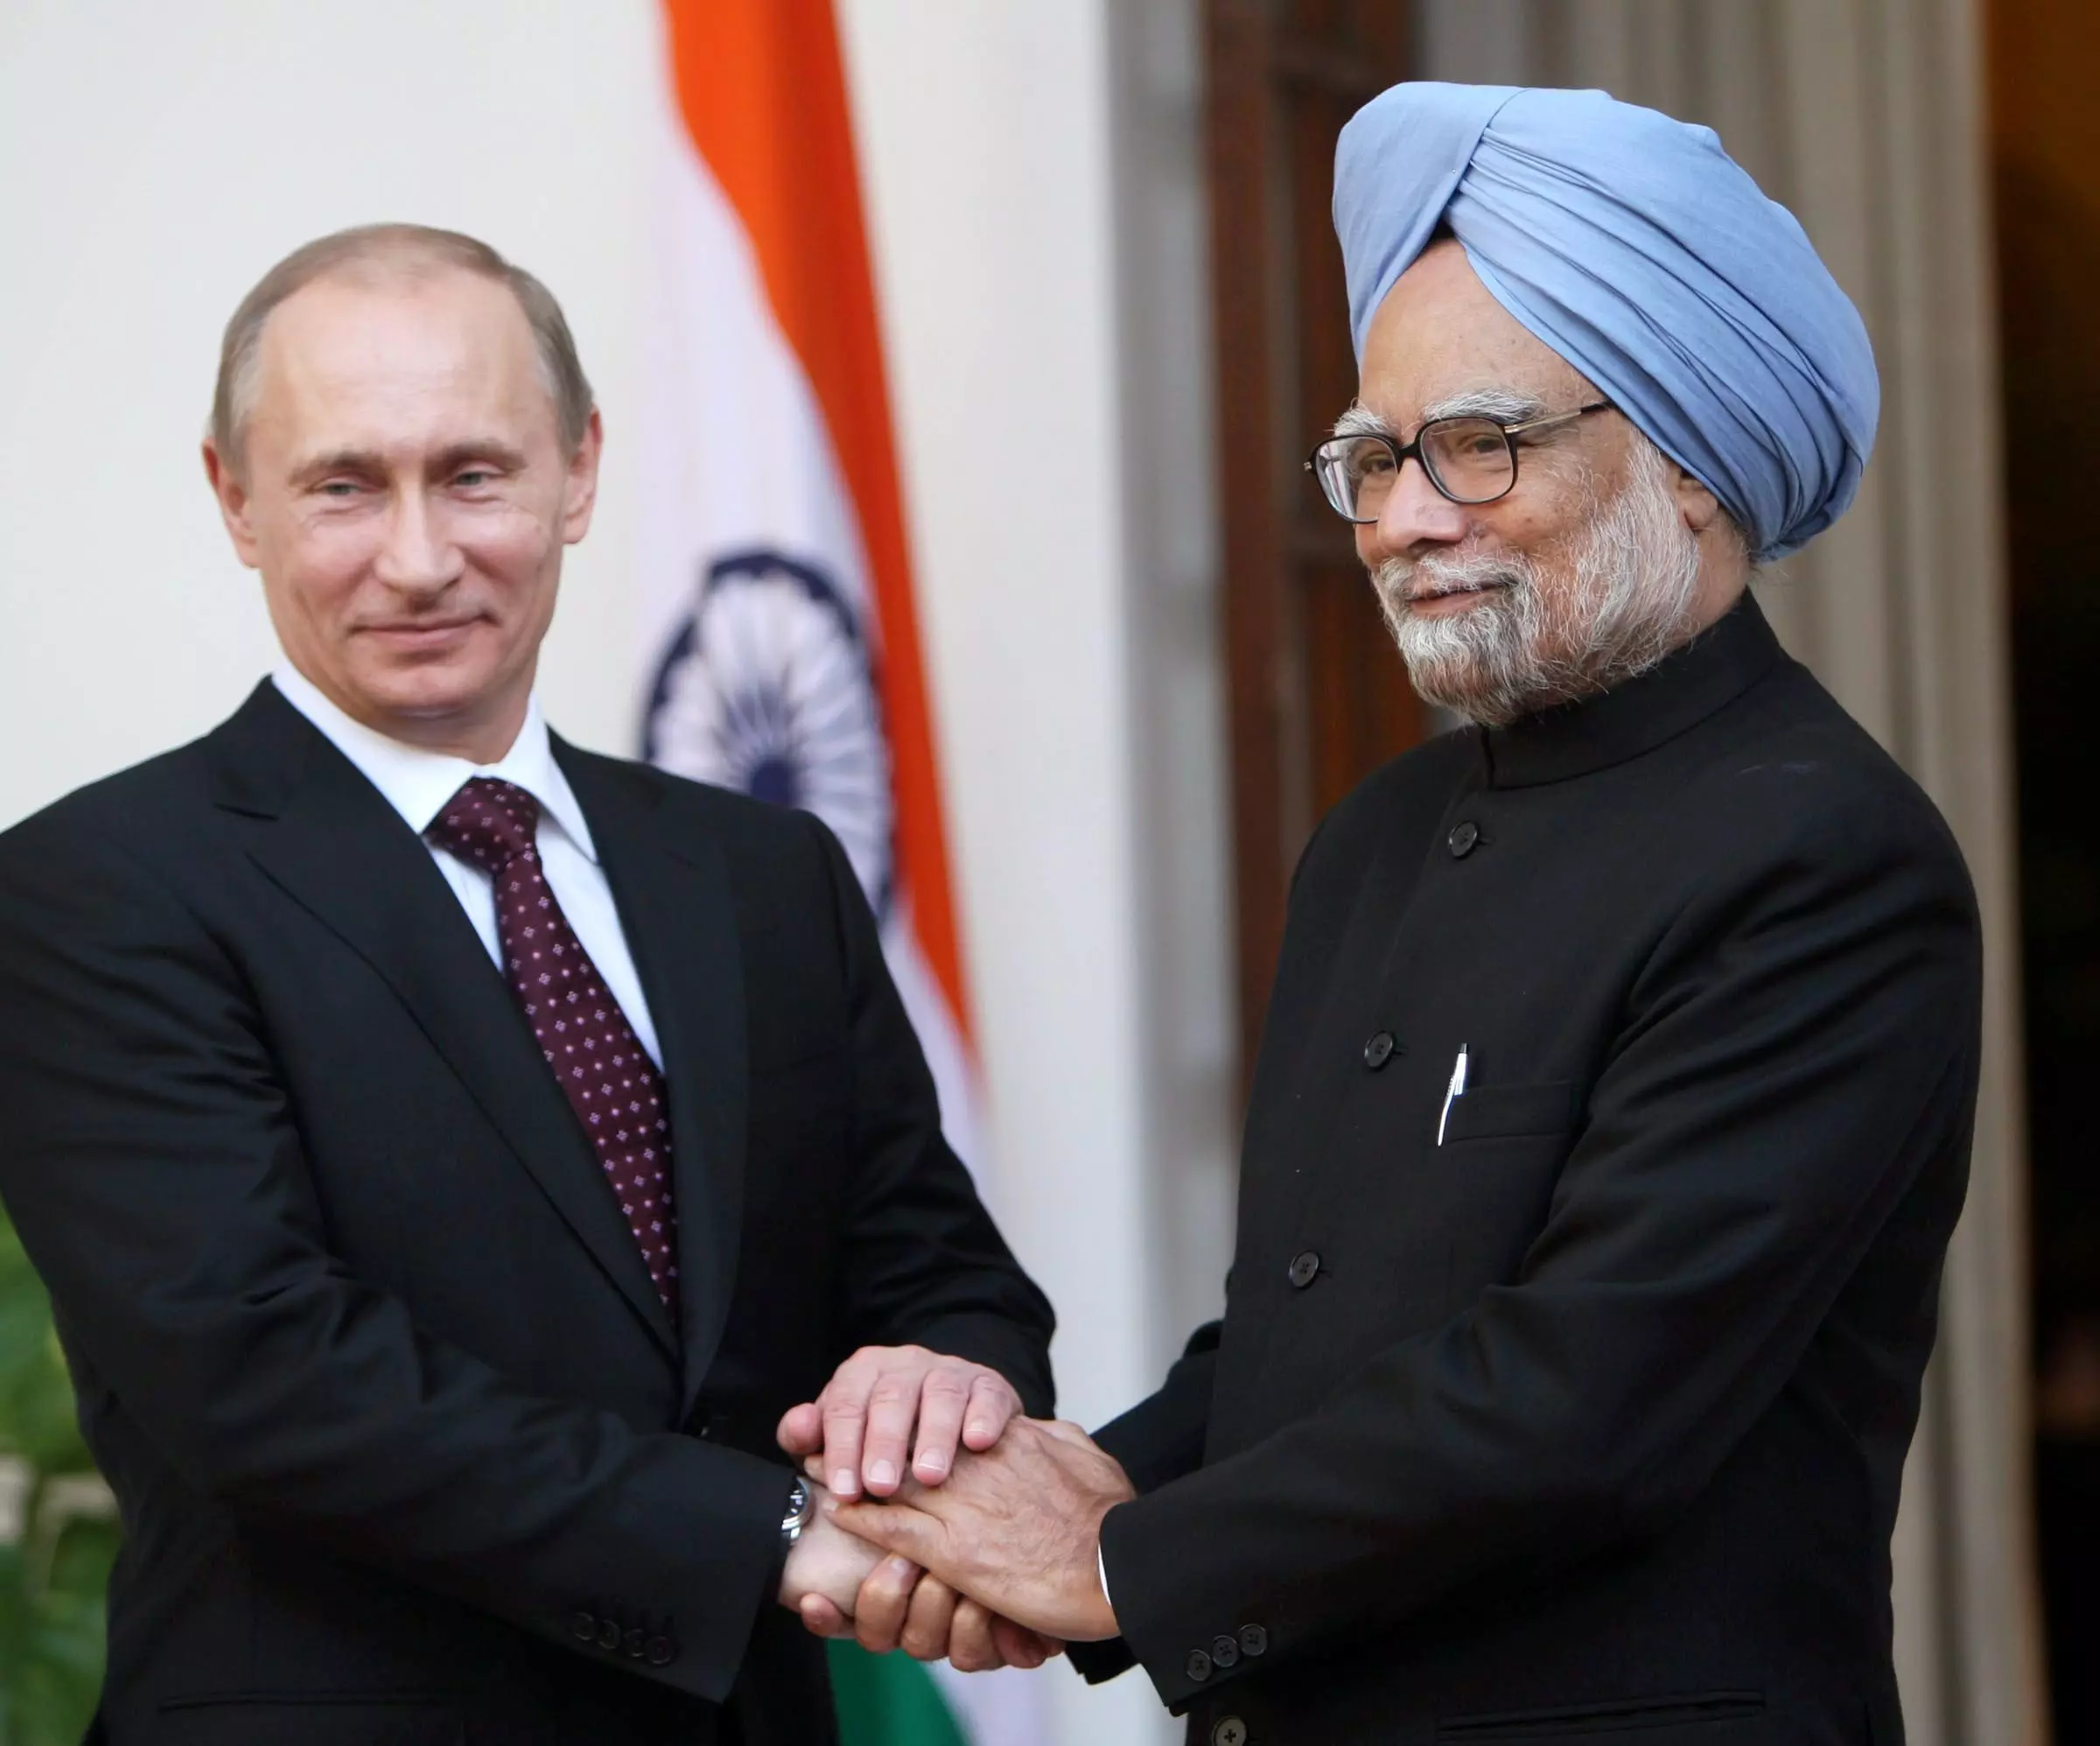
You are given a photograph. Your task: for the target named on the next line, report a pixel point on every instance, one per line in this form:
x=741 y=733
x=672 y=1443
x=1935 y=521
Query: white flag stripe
x=754 y=567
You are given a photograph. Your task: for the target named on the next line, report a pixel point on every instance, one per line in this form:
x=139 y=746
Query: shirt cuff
x=1100 y=1567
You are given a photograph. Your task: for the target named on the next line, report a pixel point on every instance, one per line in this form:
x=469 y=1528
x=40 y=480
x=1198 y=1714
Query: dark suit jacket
x=406 y=1446
x=1588 y=1423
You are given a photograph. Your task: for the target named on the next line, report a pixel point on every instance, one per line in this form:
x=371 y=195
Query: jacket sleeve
x=150 y=1156
x=1799 y=1050
x=1158 y=1441
x=925 y=1266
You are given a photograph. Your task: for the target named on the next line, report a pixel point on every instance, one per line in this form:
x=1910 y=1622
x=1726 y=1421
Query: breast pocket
x=1503 y=1147
x=1512 y=1112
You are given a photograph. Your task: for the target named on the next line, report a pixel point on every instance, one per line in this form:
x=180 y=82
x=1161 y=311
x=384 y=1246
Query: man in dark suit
x=1613 y=1108
x=451 y=1154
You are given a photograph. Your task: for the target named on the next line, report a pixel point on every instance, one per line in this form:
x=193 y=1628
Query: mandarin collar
x=1681 y=690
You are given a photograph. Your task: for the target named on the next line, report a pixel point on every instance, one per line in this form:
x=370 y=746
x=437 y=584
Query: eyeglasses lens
x=1356 y=472
x=1468 y=460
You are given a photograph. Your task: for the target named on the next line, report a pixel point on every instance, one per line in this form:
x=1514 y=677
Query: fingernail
x=842 y=1482
x=932 y=1462
x=979 y=1428
x=881 y=1473
x=830 y=1506
x=901 y=1568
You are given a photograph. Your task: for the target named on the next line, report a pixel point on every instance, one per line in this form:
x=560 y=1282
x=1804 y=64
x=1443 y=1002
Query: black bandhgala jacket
x=1586 y=1424
x=406 y=1445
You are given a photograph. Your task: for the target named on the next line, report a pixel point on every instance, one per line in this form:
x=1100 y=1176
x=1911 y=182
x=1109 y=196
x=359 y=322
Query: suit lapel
x=670 y=883
x=336 y=847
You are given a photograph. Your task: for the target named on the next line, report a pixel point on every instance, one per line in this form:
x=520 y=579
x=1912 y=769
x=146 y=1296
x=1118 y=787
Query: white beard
x=1623 y=598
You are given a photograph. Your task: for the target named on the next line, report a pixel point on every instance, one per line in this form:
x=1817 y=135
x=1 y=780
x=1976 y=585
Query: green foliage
x=52 y=1576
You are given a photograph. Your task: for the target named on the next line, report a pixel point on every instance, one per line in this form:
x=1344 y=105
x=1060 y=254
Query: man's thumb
x=801 y=1430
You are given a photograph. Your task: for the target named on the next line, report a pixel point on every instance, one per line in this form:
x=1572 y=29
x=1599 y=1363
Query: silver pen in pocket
x=1452 y=1092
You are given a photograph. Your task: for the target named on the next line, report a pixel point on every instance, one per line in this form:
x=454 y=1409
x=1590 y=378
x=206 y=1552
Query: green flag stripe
x=888 y=1700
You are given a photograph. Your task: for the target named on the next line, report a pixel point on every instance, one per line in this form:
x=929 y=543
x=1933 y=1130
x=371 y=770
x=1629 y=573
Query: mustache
x=1402 y=581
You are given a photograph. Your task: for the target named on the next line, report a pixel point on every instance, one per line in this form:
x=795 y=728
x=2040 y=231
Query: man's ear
x=231 y=493
x=579 y=488
x=1699 y=507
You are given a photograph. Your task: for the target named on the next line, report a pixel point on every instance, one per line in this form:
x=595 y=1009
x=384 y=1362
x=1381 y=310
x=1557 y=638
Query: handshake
x=985 y=1554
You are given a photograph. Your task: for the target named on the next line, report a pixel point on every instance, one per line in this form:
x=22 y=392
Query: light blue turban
x=1639 y=251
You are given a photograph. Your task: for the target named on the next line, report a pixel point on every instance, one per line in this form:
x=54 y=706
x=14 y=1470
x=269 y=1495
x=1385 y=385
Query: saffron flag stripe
x=762 y=88
x=781 y=636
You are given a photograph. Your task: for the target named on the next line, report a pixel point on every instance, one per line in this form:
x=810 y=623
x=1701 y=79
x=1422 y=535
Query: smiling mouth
x=1447 y=591
x=421 y=628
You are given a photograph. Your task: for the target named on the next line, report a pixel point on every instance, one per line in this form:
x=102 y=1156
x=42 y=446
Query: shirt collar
x=1689 y=684
x=416 y=783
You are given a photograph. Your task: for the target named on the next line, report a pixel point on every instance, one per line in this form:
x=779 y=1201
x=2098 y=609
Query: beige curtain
x=1865 y=117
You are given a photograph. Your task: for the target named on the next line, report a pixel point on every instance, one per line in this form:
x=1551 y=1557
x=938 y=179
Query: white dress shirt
x=418 y=783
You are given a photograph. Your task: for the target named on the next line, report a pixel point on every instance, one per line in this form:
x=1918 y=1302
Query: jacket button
x=1224 y=1650
x=1305 y=1268
x=1197 y=1664
x=1378 y=1050
x=633 y=1645
x=1464 y=835
x=1229 y=1731
x=661 y=1651
x=585 y=1627
x=608 y=1634
x=1253 y=1640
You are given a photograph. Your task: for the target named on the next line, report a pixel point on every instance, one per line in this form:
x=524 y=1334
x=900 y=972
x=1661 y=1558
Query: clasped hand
x=985 y=1555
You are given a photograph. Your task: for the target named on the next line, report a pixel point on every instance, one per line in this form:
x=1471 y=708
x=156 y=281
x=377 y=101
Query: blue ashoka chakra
x=767 y=689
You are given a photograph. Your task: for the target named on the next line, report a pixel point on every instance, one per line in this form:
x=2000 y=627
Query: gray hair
x=401 y=248
x=1623 y=597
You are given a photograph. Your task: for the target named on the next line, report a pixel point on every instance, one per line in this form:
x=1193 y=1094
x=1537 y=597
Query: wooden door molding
x=1316 y=697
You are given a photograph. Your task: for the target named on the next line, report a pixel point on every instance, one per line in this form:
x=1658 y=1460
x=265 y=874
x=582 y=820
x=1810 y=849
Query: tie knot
x=489 y=823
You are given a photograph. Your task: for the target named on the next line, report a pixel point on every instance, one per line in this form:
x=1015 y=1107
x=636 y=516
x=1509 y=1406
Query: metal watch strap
x=801 y=1504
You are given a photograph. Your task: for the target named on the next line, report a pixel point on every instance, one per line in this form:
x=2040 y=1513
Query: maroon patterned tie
x=611 y=1085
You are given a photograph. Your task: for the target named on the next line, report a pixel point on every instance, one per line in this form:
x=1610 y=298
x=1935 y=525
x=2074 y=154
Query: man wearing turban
x=1614 y=1106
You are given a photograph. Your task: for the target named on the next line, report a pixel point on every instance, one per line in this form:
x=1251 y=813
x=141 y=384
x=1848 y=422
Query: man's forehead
x=344 y=343
x=1440 y=341
x=342 y=324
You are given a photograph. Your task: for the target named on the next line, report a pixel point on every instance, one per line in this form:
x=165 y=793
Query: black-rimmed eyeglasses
x=1469 y=460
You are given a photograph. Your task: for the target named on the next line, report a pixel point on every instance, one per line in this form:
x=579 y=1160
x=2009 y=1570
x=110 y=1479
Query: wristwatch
x=800 y=1506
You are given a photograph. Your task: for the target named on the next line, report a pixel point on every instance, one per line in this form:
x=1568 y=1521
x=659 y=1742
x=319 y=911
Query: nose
x=417 y=556
x=1414 y=513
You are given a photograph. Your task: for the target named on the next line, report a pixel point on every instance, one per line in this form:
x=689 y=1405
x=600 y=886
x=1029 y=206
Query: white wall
x=155 y=159
x=987 y=134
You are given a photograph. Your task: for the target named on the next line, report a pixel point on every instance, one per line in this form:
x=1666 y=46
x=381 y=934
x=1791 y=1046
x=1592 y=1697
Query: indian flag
x=783 y=654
